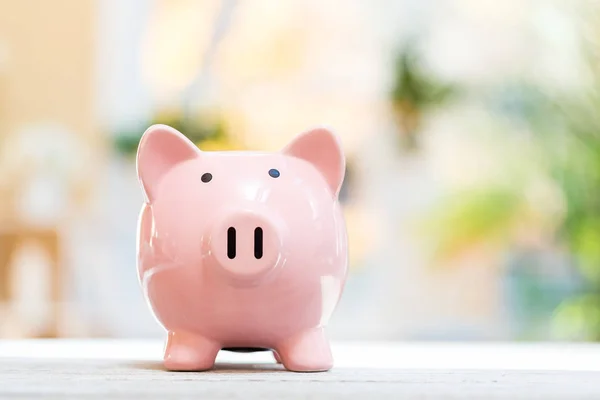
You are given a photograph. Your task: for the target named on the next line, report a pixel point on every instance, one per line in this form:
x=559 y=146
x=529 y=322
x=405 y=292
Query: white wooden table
x=121 y=369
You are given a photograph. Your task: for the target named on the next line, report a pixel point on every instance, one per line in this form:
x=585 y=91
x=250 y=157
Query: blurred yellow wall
x=47 y=78
x=48 y=68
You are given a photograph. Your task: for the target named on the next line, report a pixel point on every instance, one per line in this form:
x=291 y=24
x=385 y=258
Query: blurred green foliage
x=578 y=318
x=466 y=217
x=564 y=128
x=205 y=130
x=415 y=90
x=574 y=160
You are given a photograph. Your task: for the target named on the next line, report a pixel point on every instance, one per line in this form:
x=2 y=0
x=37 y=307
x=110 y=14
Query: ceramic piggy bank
x=242 y=251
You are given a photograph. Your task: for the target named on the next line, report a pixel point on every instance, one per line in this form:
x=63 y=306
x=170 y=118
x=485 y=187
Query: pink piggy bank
x=242 y=251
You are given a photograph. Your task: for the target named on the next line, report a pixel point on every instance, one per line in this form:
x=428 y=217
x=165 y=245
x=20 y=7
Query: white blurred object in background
x=50 y=163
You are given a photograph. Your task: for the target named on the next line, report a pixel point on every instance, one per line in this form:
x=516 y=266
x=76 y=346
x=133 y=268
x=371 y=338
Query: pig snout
x=245 y=244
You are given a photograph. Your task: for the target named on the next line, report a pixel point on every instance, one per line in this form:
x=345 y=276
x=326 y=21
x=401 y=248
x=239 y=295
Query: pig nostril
x=258 y=243
x=231 y=243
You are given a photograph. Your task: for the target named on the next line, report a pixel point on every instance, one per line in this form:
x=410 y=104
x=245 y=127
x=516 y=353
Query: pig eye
x=274 y=173
x=206 y=177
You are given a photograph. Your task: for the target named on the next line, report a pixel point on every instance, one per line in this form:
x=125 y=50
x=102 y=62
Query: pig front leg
x=189 y=352
x=307 y=351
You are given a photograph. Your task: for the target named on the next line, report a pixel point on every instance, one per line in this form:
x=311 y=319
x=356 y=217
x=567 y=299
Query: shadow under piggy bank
x=226 y=367
x=221 y=368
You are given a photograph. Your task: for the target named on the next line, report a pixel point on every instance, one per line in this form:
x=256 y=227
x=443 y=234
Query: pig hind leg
x=189 y=352
x=307 y=351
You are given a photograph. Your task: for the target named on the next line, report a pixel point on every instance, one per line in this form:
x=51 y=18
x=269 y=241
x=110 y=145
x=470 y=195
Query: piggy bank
x=242 y=251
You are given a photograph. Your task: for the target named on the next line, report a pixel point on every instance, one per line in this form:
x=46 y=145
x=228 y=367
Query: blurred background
x=471 y=129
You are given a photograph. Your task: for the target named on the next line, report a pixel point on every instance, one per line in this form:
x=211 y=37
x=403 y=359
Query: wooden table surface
x=131 y=369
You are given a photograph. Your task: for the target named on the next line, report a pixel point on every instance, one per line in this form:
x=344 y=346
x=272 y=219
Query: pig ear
x=160 y=149
x=323 y=150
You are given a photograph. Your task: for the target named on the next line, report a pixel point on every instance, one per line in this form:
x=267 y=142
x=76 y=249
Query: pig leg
x=307 y=351
x=276 y=356
x=189 y=352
